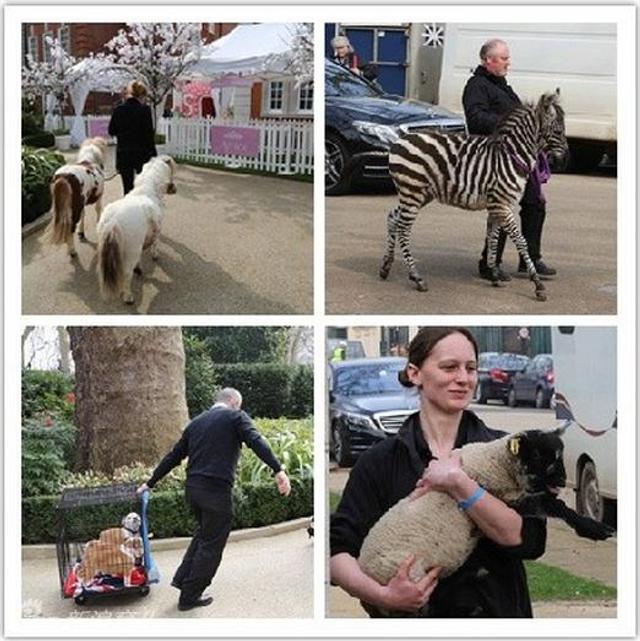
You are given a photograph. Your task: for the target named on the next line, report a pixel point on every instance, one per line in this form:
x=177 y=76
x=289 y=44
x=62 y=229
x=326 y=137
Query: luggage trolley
x=100 y=552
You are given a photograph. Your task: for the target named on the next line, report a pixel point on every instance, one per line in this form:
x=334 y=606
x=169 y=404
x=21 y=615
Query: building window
x=46 y=51
x=32 y=47
x=64 y=36
x=276 y=95
x=305 y=97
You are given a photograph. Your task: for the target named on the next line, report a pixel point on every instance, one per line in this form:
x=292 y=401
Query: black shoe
x=200 y=602
x=543 y=270
x=175 y=584
x=485 y=272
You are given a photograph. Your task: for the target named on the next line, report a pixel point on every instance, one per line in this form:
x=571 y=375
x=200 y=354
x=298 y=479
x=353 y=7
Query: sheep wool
x=432 y=527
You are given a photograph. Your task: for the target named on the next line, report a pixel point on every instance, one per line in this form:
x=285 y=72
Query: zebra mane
x=518 y=114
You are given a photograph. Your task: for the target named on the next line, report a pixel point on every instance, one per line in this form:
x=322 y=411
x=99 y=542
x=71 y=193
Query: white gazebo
x=91 y=74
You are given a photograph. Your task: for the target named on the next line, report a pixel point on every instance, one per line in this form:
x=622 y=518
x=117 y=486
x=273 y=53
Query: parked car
x=535 y=384
x=366 y=404
x=361 y=122
x=495 y=371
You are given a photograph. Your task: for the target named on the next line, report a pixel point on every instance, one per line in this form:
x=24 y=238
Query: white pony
x=132 y=224
x=72 y=187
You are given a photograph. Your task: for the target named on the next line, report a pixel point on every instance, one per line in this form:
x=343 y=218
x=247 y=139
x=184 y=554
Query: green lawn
x=548 y=583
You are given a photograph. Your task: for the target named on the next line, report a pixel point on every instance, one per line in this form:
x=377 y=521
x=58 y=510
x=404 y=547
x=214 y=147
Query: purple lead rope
x=538 y=176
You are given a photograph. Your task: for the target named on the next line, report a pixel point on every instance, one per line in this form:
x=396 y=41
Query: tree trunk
x=65 y=350
x=130 y=394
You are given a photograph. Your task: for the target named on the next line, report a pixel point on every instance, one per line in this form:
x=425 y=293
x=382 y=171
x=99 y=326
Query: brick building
x=279 y=98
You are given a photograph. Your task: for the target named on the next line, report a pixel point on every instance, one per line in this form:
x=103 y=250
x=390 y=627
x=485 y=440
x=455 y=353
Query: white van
x=580 y=59
x=585 y=373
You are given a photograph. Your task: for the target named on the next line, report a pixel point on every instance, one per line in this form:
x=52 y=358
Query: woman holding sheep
x=442 y=365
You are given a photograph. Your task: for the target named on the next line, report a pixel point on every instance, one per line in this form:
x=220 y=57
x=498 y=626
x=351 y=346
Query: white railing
x=285 y=146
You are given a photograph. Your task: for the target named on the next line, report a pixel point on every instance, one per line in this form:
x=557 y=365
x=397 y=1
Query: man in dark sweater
x=212 y=442
x=486 y=99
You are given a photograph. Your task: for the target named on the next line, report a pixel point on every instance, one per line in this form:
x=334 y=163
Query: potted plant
x=63 y=139
x=161 y=143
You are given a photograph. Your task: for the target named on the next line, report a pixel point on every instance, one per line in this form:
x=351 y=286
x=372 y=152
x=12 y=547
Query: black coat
x=212 y=441
x=132 y=124
x=486 y=98
x=388 y=472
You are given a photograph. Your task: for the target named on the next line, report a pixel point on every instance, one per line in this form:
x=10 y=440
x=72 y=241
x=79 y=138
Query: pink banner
x=99 y=128
x=235 y=141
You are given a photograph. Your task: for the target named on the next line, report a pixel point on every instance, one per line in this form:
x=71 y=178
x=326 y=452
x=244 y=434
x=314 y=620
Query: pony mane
x=155 y=175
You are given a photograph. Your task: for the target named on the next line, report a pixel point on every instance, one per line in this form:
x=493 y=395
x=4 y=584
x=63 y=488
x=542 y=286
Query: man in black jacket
x=212 y=442
x=486 y=99
x=132 y=124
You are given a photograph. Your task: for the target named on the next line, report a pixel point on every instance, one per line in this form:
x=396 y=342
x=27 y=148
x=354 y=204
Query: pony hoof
x=129 y=301
x=137 y=271
x=155 y=259
x=73 y=254
x=81 y=237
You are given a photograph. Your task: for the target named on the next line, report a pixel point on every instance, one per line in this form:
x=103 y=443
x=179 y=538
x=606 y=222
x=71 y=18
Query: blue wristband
x=472 y=500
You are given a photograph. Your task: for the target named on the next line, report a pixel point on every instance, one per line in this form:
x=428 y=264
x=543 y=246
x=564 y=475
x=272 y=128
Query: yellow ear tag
x=514 y=446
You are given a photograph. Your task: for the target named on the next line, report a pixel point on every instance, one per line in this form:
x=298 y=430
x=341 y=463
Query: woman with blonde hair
x=132 y=124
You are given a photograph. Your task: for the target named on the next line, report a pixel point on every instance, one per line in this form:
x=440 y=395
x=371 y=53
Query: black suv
x=366 y=404
x=361 y=122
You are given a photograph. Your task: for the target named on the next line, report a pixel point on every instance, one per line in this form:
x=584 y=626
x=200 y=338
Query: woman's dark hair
x=423 y=343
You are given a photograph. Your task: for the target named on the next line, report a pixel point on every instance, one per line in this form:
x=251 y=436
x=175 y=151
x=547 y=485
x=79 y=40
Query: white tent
x=256 y=50
x=92 y=75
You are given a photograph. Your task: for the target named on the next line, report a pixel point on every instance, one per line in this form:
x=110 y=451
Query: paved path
x=231 y=244
x=259 y=577
x=579 y=240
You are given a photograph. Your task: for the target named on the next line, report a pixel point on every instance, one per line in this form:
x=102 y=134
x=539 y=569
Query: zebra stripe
x=473 y=172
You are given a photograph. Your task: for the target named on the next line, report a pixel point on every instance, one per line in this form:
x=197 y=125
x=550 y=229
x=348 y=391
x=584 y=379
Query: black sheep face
x=540 y=454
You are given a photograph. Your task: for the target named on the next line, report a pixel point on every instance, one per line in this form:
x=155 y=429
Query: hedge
x=270 y=390
x=254 y=505
x=39 y=139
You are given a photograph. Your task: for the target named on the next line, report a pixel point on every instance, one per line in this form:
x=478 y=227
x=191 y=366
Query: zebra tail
x=61 y=227
x=110 y=263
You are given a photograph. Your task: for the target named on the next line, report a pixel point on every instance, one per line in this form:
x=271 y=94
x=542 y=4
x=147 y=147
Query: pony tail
x=110 y=265
x=61 y=226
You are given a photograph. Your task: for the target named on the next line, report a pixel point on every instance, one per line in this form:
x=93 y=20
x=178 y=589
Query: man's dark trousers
x=213 y=511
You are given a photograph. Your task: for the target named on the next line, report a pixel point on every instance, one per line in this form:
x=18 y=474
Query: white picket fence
x=286 y=146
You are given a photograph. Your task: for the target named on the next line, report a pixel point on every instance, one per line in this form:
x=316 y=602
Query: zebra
x=475 y=172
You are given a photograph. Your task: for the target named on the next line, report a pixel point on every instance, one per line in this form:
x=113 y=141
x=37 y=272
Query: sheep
x=518 y=469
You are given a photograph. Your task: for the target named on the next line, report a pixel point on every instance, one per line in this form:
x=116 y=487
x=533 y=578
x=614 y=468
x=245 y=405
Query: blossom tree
x=156 y=55
x=301 y=65
x=53 y=77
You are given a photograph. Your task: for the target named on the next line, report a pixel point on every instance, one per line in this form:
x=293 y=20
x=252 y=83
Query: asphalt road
x=579 y=240
x=589 y=559
x=230 y=244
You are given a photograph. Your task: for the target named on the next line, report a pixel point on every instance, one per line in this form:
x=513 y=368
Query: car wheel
x=341 y=446
x=336 y=158
x=512 y=401
x=481 y=394
x=540 y=401
x=589 y=501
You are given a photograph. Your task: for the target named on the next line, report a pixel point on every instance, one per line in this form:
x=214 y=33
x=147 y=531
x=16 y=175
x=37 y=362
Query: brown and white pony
x=132 y=224
x=74 y=186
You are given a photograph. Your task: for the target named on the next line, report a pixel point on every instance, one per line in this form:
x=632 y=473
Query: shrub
x=47 y=391
x=264 y=386
x=159 y=139
x=254 y=505
x=32 y=122
x=200 y=377
x=301 y=392
x=48 y=451
x=38 y=166
x=39 y=139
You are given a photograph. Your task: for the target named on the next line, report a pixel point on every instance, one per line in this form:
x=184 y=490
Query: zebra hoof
x=421 y=286
x=383 y=273
x=497 y=283
x=541 y=296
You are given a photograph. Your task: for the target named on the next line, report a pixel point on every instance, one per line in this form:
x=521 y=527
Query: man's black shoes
x=544 y=271
x=200 y=602
x=485 y=272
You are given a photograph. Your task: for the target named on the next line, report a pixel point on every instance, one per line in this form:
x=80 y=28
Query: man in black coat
x=132 y=124
x=486 y=99
x=212 y=441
